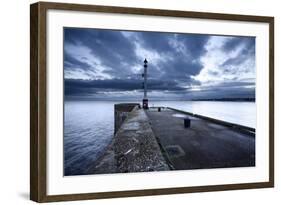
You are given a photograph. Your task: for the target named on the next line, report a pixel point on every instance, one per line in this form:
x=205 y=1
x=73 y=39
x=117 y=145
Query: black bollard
x=186 y=122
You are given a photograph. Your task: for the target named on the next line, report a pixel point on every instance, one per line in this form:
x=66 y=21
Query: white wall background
x=14 y=103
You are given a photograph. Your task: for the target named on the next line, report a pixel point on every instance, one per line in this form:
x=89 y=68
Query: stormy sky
x=107 y=65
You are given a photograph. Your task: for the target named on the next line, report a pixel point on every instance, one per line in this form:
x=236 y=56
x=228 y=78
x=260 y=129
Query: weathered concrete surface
x=134 y=148
x=204 y=145
x=121 y=112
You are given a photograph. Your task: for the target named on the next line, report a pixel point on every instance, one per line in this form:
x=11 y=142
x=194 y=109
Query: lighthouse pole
x=145 y=100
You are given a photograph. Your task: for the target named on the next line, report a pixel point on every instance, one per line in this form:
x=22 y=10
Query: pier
x=163 y=138
x=159 y=139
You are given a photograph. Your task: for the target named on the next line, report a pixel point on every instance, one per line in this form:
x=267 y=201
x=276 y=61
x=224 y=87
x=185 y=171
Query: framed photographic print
x=134 y=102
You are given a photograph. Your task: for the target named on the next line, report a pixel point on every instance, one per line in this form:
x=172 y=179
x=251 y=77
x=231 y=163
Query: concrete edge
x=241 y=128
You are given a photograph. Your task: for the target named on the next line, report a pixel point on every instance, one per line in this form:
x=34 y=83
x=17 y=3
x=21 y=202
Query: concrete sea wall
x=121 y=112
x=134 y=147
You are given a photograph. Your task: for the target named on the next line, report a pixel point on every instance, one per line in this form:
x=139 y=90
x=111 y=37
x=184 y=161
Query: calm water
x=88 y=129
x=243 y=113
x=89 y=126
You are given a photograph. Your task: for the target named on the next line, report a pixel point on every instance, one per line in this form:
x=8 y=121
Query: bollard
x=159 y=109
x=186 y=122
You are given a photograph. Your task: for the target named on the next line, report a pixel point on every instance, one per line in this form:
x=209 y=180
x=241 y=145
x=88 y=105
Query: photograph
x=131 y=101
x=149 y=101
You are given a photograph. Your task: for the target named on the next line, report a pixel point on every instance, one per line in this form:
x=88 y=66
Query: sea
x=89 y=126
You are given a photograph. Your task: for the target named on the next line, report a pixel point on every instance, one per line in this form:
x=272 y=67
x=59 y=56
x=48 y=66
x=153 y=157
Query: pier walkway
x=205 y=144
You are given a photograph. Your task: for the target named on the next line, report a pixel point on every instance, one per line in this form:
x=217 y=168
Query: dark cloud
x=71 y=63
x=184 y=68
x=91 y=89
x=177 y=63
x=155 y=41
x=247 y=52
x=233 y=43
x=195 y=43
x=74 y=86
x=110 y=47
x=232 y=89
x=161 y=42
